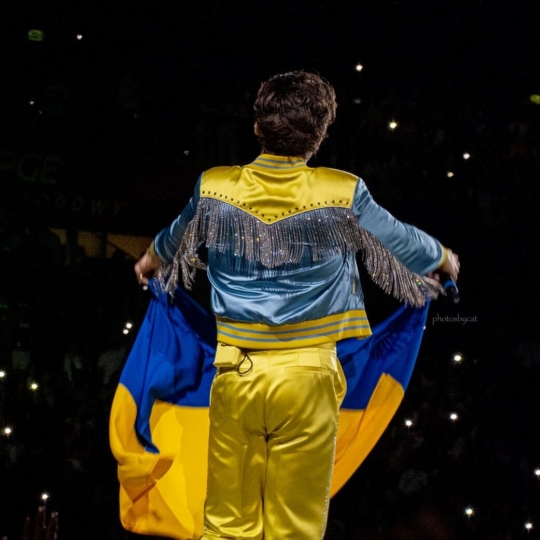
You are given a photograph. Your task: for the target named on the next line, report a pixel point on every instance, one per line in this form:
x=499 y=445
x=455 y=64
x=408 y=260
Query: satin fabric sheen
x=160 y=423
x=273 y=425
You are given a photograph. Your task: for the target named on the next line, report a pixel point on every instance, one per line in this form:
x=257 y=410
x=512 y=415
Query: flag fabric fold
x=159 y=419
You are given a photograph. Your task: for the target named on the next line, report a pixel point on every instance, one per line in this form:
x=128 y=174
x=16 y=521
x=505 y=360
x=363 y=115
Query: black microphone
x=450 y=287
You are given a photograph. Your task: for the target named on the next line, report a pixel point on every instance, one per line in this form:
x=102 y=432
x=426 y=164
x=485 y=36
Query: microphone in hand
x=450 y=287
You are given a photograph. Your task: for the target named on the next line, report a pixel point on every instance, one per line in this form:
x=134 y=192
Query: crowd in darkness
x=62 y=317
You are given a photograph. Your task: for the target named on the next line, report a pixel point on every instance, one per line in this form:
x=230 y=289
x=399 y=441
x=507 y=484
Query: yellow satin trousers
x=273 y=424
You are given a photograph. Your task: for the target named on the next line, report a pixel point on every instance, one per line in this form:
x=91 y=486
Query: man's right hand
x=451 y=265
x=146 y=266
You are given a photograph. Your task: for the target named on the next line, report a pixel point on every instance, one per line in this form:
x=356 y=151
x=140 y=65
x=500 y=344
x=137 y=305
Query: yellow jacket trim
x=303 y=334
x=263 y=193
x=444 y=256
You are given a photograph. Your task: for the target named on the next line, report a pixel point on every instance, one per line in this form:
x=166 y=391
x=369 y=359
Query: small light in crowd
x=2 y=374
x=186 y=152
x=79 y=37
x=359 y=67
x=31 y=102
x=34 y=386
x=44 y=496
x=529 y=526
x=7 y=431
x=392 y=124
x=357 y=101
x=449 y=174
x=458 y=357
x=35 y=35
x=537 y=473
x=535 y=98
x=125 y=331
x=129 y=325
x=466 y=155
x=408 y=423
x=425 y=327
x=145 y=288
x=469 y=511
x=453 y=416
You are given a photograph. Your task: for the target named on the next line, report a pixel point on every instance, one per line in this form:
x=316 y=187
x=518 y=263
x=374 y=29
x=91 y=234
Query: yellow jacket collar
x=278 y=163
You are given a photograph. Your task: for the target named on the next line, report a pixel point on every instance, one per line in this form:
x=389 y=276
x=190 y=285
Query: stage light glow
x=359 y=67
x=466 y=155
x=129 y=325
x=125 y=331
x=537 y=473
x=469 y=511
x=458 y=357
x=453 y=416
x=2 y=374
x=408 y=423
x=529 y=526
x=44 y=496
x=7 y=431
x=35 y=35
x=449 y=174
x=79 y=37
x=34 y=386
x=393 y=124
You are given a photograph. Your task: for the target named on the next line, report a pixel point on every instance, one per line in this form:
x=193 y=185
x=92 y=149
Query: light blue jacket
x=282 y=239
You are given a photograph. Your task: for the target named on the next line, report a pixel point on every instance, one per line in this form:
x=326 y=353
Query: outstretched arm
x=417 y=250
x=167 y=242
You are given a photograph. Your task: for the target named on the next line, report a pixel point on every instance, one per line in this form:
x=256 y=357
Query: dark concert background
x=108 y=114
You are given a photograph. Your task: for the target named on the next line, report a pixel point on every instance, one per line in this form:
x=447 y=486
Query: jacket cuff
x=152 y=252
x=444 y=256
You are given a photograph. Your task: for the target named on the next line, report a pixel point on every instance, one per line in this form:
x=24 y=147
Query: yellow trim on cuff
x=444 y=256
x=152 y=252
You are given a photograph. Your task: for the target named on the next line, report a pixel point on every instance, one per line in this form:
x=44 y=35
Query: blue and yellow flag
x=159 y=419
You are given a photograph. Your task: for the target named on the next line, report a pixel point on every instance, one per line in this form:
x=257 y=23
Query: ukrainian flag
x=159 y=419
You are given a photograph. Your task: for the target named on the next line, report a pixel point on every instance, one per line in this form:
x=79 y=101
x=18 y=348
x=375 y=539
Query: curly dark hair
x=293 y=112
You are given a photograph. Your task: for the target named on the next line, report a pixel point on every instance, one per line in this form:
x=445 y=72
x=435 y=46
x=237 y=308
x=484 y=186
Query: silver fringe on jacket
x=325 y=232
